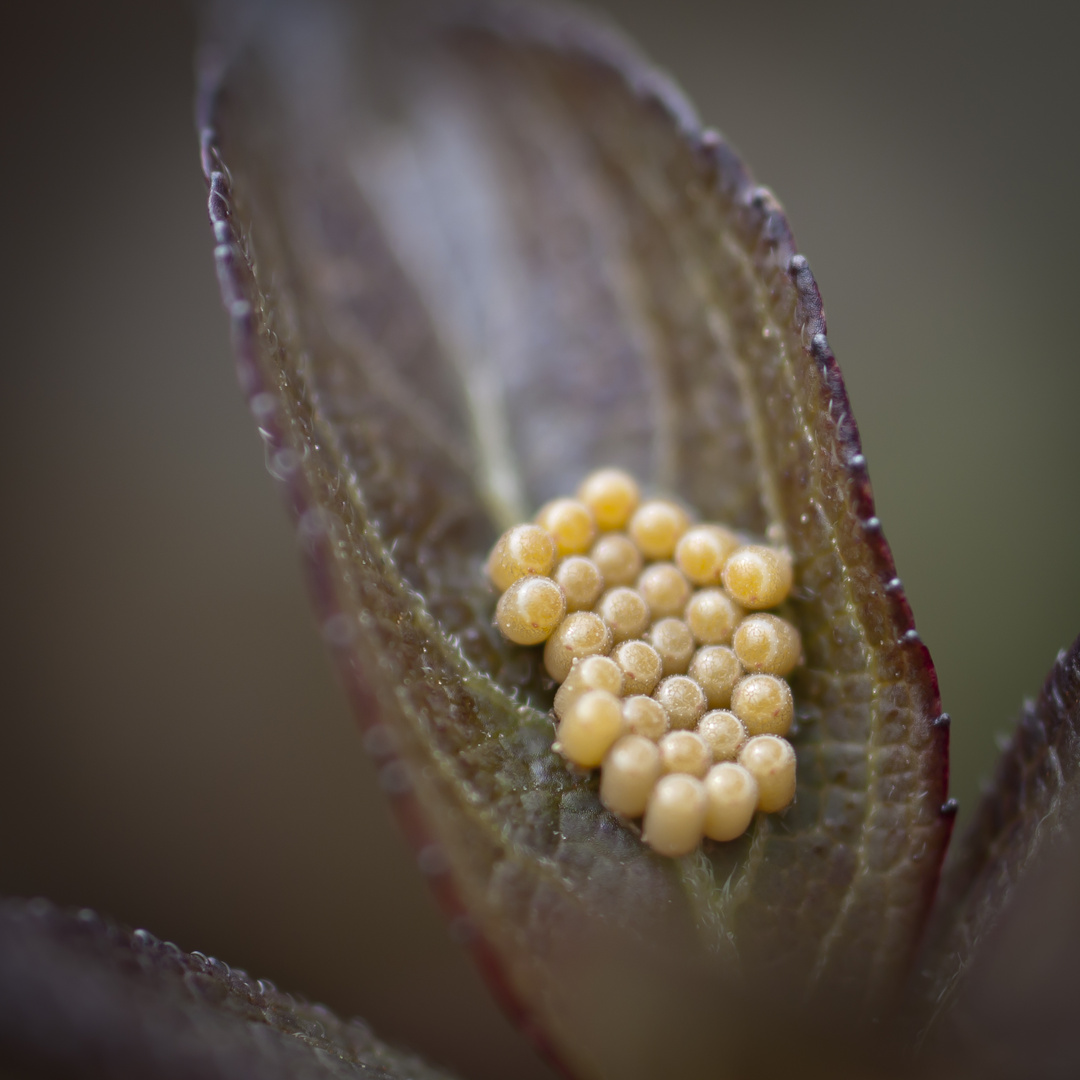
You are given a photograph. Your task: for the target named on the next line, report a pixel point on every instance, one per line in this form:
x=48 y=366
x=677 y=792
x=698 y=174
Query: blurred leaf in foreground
x=82 y=997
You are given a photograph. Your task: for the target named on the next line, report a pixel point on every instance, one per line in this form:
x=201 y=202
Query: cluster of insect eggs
x=671 y=670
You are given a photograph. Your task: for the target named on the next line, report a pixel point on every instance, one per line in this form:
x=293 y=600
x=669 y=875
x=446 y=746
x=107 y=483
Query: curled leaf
x=469 y=256
x=81 y=997
x=1010 y=893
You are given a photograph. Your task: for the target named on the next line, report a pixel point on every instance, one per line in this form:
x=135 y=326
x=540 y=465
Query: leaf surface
x=468 y=258
x=1009 y=894
x=81 y=997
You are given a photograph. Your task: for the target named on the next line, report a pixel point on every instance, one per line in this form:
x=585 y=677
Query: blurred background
x=175 y=751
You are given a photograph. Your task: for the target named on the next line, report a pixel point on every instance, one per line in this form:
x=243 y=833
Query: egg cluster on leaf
x=672 y=674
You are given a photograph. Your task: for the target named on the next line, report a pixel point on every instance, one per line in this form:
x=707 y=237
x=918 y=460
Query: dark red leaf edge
x=764 y=230
x=81 y=996
x=1035 y=788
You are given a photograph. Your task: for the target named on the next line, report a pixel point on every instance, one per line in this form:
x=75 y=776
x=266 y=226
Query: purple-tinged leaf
x=84 y=998
x=1002 y=945
x=467 y=259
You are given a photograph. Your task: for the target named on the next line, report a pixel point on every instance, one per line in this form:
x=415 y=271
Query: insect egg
x=665 y=589
x=674 y=643
x=570 y=523
x=591 y=673
x=625 y=612
x=764 y=704
x=771 y=762
x=580 y=580
x=580 y=634
x=641 y=666
x=522 y=550
x=683 y=700
x=675 y=816
x=629 y=774
x=618 y=559
x=765 y=643
x=716 y=669
x=530 y=610
x=612 y=495
x=590 y=727
x=645 y=716
x=758 y=577
x=657 y=526
x=723 y=733
x=731 y=798
x=712 y=617
x=685 y=752
x=702 y=552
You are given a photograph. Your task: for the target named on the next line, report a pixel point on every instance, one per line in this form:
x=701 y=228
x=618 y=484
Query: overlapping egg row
x=672 y=672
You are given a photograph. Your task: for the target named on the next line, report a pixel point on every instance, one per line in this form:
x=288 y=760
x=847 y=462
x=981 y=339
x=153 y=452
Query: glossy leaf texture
x=468 y=256
x=1003 y=963
x=81 y=997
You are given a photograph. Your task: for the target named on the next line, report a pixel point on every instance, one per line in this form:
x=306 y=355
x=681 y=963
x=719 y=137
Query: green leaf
x=468 y=258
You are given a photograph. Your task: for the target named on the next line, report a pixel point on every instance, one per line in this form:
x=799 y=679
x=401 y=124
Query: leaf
x=467 y=258
x=1011 y=890
x=81 y=997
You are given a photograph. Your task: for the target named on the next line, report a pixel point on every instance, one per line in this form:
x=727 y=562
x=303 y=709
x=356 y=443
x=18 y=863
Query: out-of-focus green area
x=175 y=749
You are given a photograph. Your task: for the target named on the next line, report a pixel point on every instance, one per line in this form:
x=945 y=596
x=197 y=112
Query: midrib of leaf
x=426 y=245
